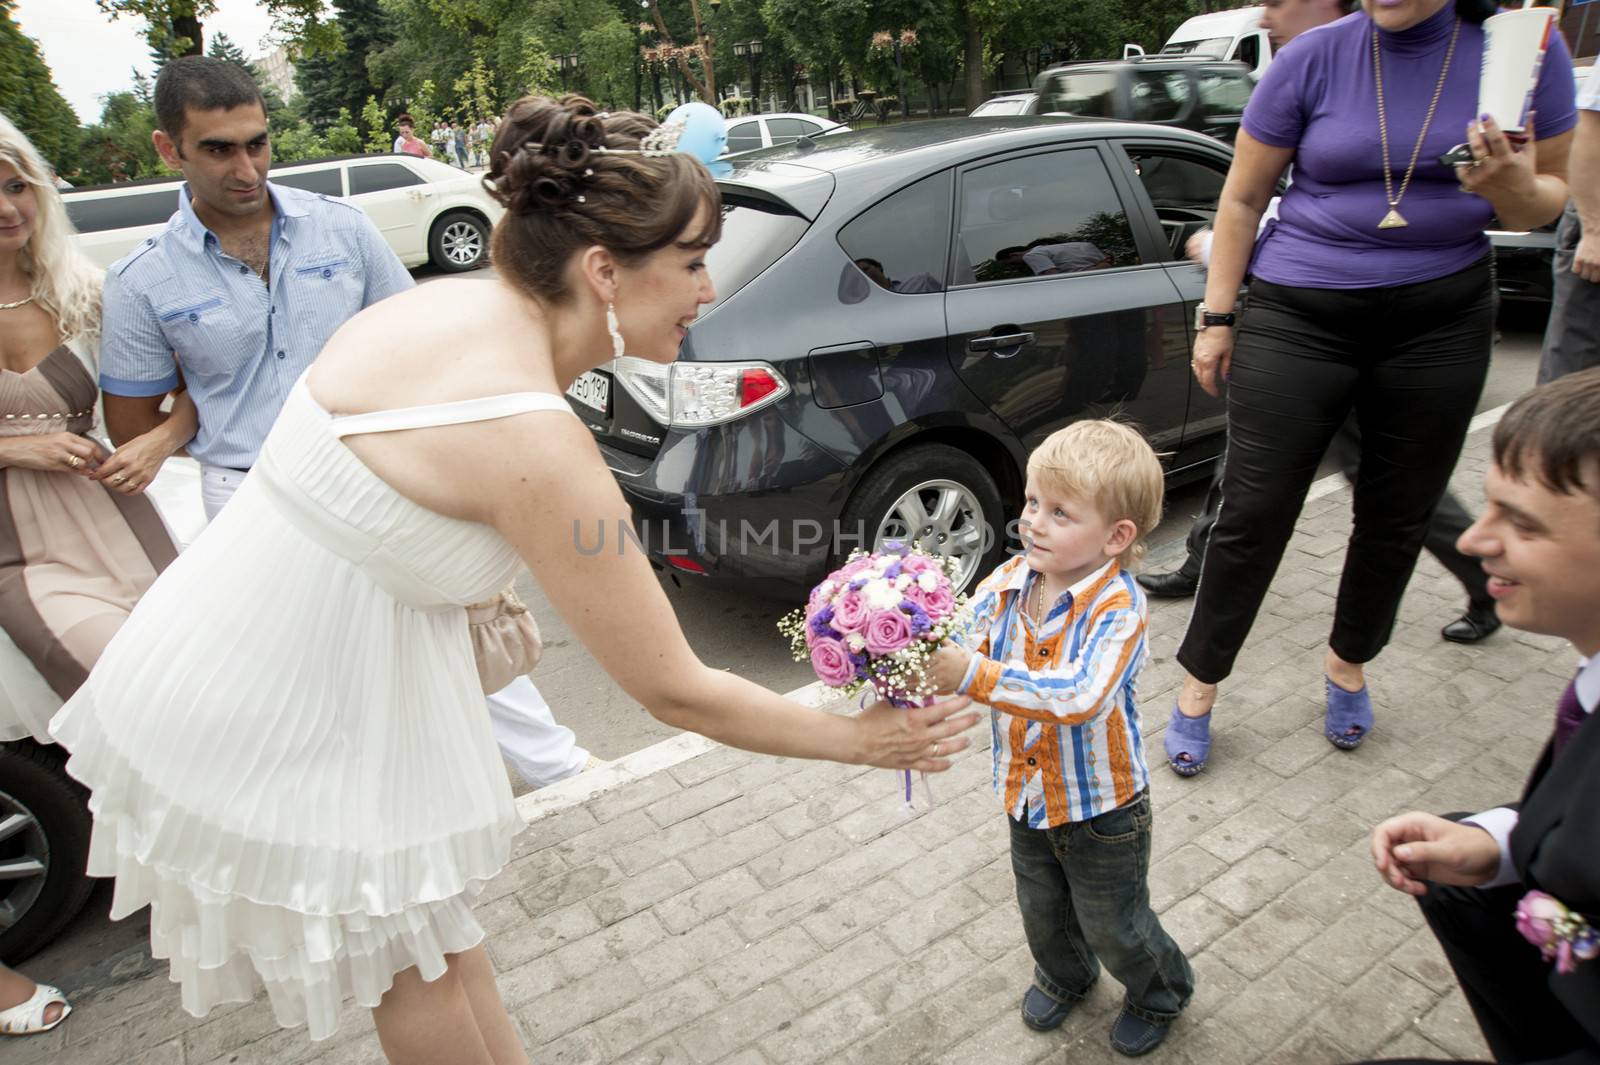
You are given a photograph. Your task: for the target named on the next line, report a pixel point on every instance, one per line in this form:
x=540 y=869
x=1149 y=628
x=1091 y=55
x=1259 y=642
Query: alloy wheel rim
x=462 y=242
x=944 y=518
x=24 y=860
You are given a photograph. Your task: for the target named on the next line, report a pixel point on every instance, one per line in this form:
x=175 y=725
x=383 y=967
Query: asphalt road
x=728 y=630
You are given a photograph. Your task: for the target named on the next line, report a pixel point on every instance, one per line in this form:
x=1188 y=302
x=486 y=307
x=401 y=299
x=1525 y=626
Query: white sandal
x=28 y=1018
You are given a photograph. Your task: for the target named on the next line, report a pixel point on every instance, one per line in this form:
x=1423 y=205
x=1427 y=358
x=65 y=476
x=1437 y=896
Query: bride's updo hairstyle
x=563 y=193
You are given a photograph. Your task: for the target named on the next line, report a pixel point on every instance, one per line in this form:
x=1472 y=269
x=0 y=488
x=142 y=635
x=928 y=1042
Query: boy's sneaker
x=1134 y=1036
x=1043 y=1013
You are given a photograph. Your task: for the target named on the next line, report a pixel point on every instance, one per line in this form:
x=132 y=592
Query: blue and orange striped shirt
x=1066 y=733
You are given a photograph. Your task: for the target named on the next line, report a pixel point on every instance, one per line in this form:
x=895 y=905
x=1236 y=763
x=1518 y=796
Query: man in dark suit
x=1539 y=541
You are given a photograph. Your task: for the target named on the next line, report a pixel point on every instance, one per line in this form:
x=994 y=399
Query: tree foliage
x=28 y=95
x=172 y=27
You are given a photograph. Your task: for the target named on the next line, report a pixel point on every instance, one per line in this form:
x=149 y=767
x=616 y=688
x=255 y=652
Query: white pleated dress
x=286 y=743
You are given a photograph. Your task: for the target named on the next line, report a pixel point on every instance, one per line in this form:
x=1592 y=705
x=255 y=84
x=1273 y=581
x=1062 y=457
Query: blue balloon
x=705 y=134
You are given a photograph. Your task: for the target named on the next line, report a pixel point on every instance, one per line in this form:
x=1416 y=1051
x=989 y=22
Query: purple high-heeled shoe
x=1187 y=742
x=1349 y=716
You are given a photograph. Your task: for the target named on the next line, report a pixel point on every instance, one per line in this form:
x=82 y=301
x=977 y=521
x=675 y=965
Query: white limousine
x=428 y=211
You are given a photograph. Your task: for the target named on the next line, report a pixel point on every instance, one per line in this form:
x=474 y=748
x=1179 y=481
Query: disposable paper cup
x=1513 y=47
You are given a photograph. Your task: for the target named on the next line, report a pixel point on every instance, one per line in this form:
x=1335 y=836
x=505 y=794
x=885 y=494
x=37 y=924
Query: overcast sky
x=90 y=55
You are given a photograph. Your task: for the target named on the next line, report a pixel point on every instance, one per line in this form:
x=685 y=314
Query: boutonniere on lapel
x=1562 y=935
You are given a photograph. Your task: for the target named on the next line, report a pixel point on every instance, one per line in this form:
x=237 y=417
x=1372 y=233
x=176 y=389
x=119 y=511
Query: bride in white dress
x=286 y=746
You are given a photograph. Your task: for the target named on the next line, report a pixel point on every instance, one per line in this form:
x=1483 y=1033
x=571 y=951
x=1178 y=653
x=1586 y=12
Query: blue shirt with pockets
x=178 y=300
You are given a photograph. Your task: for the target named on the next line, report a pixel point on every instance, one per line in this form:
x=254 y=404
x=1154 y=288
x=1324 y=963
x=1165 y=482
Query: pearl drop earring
x=617 y=346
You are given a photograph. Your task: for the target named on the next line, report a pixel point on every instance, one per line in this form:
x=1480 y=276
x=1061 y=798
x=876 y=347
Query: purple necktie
x=1569 y=715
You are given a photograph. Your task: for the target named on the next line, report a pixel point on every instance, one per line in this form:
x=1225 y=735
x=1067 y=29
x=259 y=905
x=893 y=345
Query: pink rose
x=887 y=631
x=850 y=613
x=939 y=603
x=831 y=662
x=1537 y=915
x=915 y=564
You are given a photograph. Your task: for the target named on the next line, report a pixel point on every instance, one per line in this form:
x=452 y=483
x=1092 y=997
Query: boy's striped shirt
x=1065 y=730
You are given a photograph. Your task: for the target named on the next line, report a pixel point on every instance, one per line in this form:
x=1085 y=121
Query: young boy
x=1057 y=640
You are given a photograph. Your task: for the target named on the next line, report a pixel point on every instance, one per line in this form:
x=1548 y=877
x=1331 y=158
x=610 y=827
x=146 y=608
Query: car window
x=902 y=243
x=784 y=130
x=1223 y=92
x=101 y=213
x=744 y=136
x=755 y=234
x=1091 y=93
x=379 y=177
x=1053 y=213
x=1249 y=52
x=1011 y=105
x=325 y=181
x=1159 y=95
x=1184 y=191
x=1216 y=47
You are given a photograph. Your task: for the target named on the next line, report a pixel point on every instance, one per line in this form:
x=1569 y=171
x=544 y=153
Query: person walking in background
x=1284 y=20
x=407 y=141
x=458 y=141
x=242 y=290
x=1372 y=292
x=1493 y=885
x=321 y=816
x=1572 y=339
x=440 y=139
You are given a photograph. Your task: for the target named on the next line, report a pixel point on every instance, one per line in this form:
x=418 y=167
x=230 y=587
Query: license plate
x=592 y=390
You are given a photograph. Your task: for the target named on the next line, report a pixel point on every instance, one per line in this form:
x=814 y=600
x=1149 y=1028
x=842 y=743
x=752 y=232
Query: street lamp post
x=566 y=64
x=900 y=80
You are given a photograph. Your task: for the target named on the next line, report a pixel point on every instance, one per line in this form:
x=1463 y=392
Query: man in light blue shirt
x=236 y=298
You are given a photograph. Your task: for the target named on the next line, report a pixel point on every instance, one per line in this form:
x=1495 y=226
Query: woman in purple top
x=1373 y=291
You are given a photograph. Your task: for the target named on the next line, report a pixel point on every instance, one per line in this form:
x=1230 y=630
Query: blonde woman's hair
x=1109 y=465
x=65 y=283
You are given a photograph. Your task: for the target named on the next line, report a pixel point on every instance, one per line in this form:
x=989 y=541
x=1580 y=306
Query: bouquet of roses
x=873 y=624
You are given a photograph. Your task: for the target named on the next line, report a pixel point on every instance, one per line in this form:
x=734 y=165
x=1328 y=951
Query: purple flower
x=887 y=631
x=920 y=623
x=831 y=662
x=892 y=570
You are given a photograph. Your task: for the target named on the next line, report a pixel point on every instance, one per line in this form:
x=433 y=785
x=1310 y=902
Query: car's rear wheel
x=459 y=242
x=938 y=497
x=44 y=848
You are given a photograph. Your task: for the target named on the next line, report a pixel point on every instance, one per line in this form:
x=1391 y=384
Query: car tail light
x=685 y=564
x=694 y=394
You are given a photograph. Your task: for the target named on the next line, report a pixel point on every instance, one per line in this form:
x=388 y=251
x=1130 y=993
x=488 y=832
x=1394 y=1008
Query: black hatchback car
x=901 y=315
x=1186 y=91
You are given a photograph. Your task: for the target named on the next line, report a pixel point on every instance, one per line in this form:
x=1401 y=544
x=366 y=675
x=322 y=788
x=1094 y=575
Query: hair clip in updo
x=695 y=128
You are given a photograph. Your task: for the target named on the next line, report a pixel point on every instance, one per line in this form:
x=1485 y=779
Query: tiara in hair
x=663 y=140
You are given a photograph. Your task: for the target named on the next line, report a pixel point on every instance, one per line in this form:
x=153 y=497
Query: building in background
x=277 y=70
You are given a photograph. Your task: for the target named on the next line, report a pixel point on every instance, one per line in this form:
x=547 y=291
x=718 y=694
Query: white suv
x=428 y=211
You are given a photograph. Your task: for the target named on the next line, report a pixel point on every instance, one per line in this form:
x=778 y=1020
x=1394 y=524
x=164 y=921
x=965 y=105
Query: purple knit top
x=1319 y=97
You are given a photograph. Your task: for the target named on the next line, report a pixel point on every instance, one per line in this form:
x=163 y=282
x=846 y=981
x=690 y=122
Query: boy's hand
x=947 y=666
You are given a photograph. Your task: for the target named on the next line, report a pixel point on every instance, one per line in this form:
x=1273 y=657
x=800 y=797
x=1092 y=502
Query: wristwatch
x=1204 y=319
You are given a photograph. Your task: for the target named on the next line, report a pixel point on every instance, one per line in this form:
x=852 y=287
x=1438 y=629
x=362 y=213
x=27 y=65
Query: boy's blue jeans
x=1085 y=901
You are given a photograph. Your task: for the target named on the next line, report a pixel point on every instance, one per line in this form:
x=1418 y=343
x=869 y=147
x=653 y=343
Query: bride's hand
x=923 y=737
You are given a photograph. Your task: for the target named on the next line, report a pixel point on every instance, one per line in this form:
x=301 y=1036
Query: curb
x=579 y=789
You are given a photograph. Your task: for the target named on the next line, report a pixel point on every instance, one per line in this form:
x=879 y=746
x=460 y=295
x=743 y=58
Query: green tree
x=375 y=120
x=221 y=47
x=475 y=93
x=297 y=143
x=118 y=147
x=342 y=137
x=28 y=94
x=173 y=26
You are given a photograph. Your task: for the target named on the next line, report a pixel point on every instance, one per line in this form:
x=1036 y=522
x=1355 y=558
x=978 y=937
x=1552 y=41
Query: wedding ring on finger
x=935 y=748
x=73 y=462
x=118 y=479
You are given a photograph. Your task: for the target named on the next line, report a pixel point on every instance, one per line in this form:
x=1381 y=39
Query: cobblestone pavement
x=758 y=911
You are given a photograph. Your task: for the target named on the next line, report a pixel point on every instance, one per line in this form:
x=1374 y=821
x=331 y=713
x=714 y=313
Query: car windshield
x=1212 y=46
x=755 y=234
x=1013 y=105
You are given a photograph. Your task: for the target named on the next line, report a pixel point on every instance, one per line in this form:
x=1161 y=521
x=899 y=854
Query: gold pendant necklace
x=1394 y=220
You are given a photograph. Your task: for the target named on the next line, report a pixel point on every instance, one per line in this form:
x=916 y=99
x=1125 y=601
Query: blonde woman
x=79 y=542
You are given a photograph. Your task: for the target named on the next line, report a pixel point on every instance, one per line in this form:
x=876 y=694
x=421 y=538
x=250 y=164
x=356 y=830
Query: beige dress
x=74 y=556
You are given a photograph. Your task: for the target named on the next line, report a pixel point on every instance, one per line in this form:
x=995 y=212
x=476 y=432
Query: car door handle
x=1000 y=342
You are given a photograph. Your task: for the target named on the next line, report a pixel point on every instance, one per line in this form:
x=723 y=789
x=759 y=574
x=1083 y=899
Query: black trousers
x=1503 y=978
x=1450 y=519
x=1409 y=362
